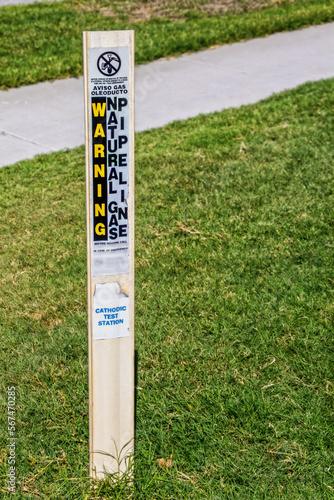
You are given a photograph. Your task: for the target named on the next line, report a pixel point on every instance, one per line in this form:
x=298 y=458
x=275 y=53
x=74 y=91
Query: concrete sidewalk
x=49 y=116
x=5 y=3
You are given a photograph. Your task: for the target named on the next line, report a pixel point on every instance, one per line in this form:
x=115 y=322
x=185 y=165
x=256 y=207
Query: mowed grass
x=234 y=309
x=44 y=41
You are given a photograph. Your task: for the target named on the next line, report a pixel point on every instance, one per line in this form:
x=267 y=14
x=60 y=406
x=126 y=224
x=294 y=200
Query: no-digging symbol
x=109 y=63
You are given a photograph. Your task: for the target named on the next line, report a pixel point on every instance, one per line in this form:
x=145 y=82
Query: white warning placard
x=109 y=104
x=110 y=312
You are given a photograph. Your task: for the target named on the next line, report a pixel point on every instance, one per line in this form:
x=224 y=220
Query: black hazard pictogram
x=109 y=63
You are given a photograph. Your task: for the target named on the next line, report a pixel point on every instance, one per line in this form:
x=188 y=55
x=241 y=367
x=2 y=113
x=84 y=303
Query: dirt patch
x=141 y=10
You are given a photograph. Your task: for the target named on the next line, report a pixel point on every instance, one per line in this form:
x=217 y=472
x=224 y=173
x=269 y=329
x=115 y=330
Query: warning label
x=109 y=112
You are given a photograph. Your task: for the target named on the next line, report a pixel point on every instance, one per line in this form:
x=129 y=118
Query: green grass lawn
x=44 y=41
x=234 y=309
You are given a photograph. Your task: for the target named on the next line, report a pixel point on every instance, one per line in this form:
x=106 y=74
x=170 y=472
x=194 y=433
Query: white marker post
x=109 y=111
